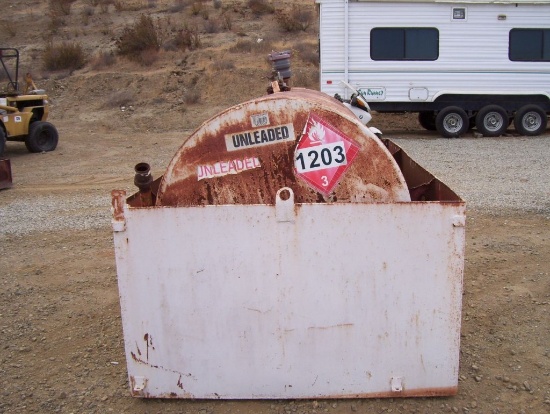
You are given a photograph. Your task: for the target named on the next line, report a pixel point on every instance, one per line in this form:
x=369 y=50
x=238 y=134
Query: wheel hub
x=493 y=121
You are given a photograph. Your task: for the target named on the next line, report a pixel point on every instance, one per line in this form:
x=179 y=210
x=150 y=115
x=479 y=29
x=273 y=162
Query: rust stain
x=118 y=197
x=6 y=180
x=373 y=165
x=419 y=392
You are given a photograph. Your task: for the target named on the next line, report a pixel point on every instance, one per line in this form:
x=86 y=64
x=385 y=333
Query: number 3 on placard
x=325 y=181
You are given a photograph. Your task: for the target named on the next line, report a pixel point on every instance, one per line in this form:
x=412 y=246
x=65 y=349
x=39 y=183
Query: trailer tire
x=42 y=137
x=2 y=141
x=451 y=122
x=492 y=121
x=530 y=120
x=426 y=119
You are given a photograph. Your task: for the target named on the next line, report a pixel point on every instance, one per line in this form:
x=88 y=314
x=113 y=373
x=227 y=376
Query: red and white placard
x=323 y=154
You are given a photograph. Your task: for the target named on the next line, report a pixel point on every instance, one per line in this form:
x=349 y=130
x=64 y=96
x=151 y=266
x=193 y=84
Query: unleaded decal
x=222 y=168
x=260 y=137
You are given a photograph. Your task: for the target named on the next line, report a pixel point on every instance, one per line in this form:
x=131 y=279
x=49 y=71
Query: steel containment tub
x=287 y=252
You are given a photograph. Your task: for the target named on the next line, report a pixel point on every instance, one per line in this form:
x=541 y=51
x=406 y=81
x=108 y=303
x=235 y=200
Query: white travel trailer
x=459 y=64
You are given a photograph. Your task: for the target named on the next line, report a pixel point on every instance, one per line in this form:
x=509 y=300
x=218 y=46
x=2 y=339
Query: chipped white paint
x=292 y=301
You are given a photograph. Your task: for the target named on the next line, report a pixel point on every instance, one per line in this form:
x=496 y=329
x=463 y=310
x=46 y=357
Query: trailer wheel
x=530 y=120
x=492 y=121
x=42 y=137
x=427 y=120
x=451 y=122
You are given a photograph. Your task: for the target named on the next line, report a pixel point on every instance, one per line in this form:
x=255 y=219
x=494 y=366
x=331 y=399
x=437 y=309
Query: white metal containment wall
x=252 y=283
x=473 y=52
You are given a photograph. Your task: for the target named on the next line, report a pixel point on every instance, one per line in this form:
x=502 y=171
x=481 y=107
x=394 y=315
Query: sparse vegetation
x=55 y=23
x=87 y=12
x=148 y=56
x=242 y=46
x=226 y=21
x=65 y=56
x=223 y=64
x=305 y=78
x=121 y=6
x=307 y=52
x=250 y=46
x=188 y=38
x=196 y=8
x=103 y=60
x=260 y=7
x=140 y=41
x=295 y=20
x=61 y=7
x=192 y=96
x=119 y=98
x=212 y=26
x=179 y=5
x=217 y=4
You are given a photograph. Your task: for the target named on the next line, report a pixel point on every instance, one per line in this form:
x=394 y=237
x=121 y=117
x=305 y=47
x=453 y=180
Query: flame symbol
x=316 y=133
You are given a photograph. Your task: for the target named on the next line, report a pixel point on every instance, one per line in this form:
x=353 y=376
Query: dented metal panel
x=292 y=300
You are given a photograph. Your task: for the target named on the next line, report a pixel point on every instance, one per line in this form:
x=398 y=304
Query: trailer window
x=410 y=43
x=529 y=45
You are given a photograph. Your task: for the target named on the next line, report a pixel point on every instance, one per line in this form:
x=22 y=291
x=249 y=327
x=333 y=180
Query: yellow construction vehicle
x=23 y=115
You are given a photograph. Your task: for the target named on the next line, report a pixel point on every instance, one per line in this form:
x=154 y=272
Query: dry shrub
x=196 y=8
x=66 y=56
x=249 y=46
x=148 y=56
x=87 y=12
x=179 y=5
x=55 y=23
x=217 y=4
x=103 y=60
x=188 y=38
x=140 y=37
x=305 y=78
x=260 y=7
x=212 y=26
x=264 y=45
x=226 y=21
x=295 y=20
x=60 y=7
x=104 y=6
x=223 y=64
x=119 y=98
x=307 y=53
x=191 y=96
x=121 y=6
x=242 y=46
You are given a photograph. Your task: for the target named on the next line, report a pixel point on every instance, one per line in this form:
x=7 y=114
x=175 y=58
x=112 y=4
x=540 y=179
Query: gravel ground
x=489 y=173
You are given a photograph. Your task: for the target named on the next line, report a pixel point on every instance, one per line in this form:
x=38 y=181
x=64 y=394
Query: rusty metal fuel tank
x=246 y=153
x=287 y=252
